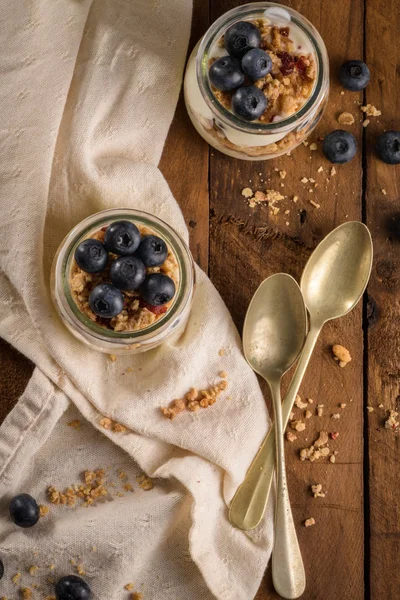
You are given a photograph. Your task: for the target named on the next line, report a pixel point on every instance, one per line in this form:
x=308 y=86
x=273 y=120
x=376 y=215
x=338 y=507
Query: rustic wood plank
x=185 y=160
x=247 y=245
x=383 y=215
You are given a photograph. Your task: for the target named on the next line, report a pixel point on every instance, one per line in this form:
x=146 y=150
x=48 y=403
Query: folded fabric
x=88 y=93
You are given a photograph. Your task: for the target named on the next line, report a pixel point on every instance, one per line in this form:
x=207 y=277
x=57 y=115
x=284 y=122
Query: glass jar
x=224 y=130
x=103 y=339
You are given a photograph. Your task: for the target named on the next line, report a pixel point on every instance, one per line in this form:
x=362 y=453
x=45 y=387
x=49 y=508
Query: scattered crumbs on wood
x=309 y=522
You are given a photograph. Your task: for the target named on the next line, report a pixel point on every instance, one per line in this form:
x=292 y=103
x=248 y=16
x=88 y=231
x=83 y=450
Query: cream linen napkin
x=88 y=93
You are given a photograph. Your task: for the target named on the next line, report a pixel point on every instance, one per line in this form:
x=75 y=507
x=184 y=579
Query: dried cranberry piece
x=284 y=31
x=287 y=63
x=157 y=310
x=301 y=67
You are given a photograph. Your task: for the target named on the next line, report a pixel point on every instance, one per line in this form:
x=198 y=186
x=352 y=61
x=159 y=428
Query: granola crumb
x=342 y=93
x=392 y=422
x=26 y=593
x=341 y=355
x=304 y=180
x=112 y=357
x=305 y=143
x=370 y=408
x=384 y=192
x=80 y=570
x=43 y=510
x=15 y=579
x=332 y=458
x=118 y=428
x=298 y=425
x=221 y=352
x=380 y=406
x=343 y=405
x=137 y=596
x=129 y=587
x=317 y=450
x=295 y=198
x=313 y=147
x=299 y=403
x=335 y=416
x=320 y=169
x=317 y=490
x=75 y=424
x=333 y=171
x=145 y=482
x=308 y=414
x=194 y=400
x=320 y=410
x=106 y=423
x=128 y=487
x=310 y=401
x=33 y=570
x=309 y=522
x=291 y=437
x=315 y=204
x=366 y=122
x=223 y=374
x=346 y=118
x=282 y=174
x=370 y=110
x=52 y=567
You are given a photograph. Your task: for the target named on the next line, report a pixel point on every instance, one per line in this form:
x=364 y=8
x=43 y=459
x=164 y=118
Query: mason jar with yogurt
x=275 y=65
x=103 y=304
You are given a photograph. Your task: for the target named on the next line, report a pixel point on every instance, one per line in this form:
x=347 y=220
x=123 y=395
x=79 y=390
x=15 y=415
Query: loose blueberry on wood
x=91 y=256
x=127 y=273
x=157 y=289
x=242 y=37
x=72 y=587
x=354 y=75
x=226 y=74
x=388 y=147
x=152 y=251
x=24 y=511
x=339 y=146
x=122 y=237
x=106 y=301
x=256 y=63
x=249 y=102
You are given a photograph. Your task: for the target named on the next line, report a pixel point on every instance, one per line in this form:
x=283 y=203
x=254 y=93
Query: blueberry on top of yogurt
x=242 y=37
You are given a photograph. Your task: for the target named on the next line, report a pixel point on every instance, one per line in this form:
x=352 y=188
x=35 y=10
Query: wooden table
x=353 y=550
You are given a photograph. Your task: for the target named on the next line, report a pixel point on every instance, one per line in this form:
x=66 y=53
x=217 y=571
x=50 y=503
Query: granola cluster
x=137 y=314
x=195 y=399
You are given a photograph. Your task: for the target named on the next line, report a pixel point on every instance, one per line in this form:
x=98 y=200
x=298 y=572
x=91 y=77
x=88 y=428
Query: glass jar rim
x=227 y=117
x=62 y=265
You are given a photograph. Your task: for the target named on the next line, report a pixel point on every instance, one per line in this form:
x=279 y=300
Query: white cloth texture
x=89 y=89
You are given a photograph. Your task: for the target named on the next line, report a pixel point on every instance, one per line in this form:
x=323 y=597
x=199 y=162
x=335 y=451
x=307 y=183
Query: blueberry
x=388 y=147
x=152 y=251
x=339 y=146
x=157 y=289
x=242 y=37
x=106 y=301
x=354 y=75
x=122 y=237
x=226 y=74
x=91 y=256
x=249 y=102
x=1 y=569
x=256 y=63
x=72 y=587
x=127 y=273
x=24 y=510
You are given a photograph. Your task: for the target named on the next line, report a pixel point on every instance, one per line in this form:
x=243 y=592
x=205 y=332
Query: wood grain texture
x=247 y=245
x=383 y=214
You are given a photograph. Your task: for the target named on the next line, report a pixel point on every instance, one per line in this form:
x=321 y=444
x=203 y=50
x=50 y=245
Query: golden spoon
x=273 y=336
x=333 y=281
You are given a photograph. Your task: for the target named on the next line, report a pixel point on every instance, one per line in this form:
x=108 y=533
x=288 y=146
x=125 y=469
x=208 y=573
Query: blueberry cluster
x=242 y=41
x=341 y=146
x=24 y=512
x=127 y=270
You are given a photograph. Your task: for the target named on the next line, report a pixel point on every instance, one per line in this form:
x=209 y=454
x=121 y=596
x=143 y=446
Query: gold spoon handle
x=288 y=573
x=248 y=505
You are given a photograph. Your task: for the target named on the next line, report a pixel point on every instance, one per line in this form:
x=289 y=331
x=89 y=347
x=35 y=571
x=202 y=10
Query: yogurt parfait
x=123 y=281
x=257 y=83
